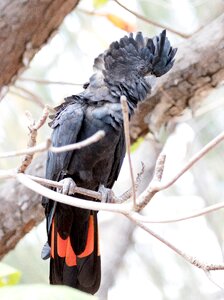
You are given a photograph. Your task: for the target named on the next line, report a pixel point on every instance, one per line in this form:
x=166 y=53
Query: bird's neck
x=135 y=92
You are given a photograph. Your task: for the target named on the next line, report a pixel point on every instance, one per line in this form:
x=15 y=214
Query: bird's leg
x=106 y=194
x=69 y=186
x=46 y=251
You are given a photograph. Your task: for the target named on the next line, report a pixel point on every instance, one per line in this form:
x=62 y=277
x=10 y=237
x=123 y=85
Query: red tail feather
x=81 y=271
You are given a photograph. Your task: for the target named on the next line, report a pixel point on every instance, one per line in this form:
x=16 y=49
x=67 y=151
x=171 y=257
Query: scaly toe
x=69 y=186
x=106 y=194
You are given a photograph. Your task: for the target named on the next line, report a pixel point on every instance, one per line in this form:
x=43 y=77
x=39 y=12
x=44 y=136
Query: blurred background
x=134 y=263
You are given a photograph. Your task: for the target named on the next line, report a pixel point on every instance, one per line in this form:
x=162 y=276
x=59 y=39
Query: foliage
x=120 y=23
x=99 y=3
x=8 y=275
x=136 y=145
x=42 y=292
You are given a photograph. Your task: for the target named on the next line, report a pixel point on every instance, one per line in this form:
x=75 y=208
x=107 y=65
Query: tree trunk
x=20 y=209
x=24 y=27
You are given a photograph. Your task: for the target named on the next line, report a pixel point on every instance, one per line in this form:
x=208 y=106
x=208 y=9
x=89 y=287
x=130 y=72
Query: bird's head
x=131 y=65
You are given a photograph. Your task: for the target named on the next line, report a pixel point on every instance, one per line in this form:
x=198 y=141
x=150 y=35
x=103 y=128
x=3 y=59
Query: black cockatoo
x=127 y=68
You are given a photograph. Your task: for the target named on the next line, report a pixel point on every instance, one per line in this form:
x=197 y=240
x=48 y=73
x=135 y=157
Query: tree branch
x=33 y=128
x=156 y=186
x=192 y=260
x=124 y=209
x=197 y=213
x=27 y=96
x=48 y=147
x=42 y=81
x=119 y=208
x=124 y=106
x=151 y=22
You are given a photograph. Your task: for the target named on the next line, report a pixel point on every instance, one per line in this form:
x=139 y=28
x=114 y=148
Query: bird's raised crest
x=139 y=55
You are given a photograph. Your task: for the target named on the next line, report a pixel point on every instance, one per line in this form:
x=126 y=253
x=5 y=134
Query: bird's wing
x=75 y=259
x=66 y=124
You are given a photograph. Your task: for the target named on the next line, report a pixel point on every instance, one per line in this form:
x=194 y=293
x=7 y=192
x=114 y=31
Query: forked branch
x=126 y=209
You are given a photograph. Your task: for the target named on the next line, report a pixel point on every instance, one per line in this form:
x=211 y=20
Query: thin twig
x=42 y=81
x=155 y=186
x=192 y=260
x=125 y=112
x=35 y=100
x=7 y=174
x=42 y=119
x=48 y=147
x=91 y=140
x=38 y=148
x=124 y=209
x=119 y=208
x=159 y=168
x=198 y=213
x=33 y=128
x=78 y=190
x=208 y=274
x=70 y=200
x=152 y=189
x=183 y=35
x=208 y=147
x=126 y=195
x=29 y=95
x=90 y=193
x=91 y=13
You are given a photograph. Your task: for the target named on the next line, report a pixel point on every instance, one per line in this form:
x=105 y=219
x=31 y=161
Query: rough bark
x=24 y=27
x=20 y=209
x=198 y=69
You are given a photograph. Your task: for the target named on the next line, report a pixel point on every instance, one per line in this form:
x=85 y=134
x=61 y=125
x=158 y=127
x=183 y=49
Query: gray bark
x=199 y=68
x=20 y=209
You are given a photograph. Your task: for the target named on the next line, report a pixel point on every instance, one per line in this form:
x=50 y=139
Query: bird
x=127 y=68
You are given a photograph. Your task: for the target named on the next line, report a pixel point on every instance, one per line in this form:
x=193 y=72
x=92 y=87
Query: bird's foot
x=106 y=194
x=69 y=186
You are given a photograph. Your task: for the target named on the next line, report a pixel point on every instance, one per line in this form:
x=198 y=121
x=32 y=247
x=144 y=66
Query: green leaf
x=99 y=3
x=42 y=292
x=135 y=146
x=8 y=275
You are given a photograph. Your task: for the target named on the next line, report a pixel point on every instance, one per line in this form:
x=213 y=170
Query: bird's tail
x=70 y=266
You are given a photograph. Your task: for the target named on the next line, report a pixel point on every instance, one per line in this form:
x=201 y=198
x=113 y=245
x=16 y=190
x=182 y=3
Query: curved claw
x=69 y=186
x=107 y=194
